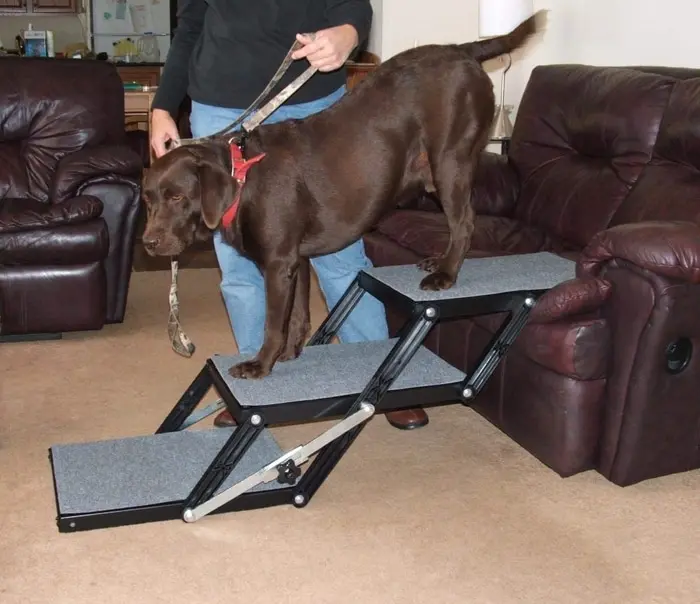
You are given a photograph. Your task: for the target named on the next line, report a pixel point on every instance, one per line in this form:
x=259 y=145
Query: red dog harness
x=239 y=170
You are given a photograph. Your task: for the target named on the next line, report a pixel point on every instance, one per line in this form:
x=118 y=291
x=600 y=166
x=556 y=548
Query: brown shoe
x=224 y=420
x=407 y=419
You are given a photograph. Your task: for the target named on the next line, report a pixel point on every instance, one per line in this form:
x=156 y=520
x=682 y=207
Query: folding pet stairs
x=187 y=474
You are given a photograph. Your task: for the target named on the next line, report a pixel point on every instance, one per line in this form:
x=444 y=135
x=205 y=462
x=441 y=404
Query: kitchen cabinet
x=41 y=7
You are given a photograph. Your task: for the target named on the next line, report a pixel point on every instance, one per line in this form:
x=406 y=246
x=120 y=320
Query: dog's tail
x=500 y=45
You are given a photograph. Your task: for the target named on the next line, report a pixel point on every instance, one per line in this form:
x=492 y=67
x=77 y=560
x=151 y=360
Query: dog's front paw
x=431 y=264
x=437 y=281
x=249 y=370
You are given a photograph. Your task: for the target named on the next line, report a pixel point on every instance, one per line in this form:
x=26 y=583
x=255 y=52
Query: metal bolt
x=430 y=312
x=299 y=499
x=468 y=392
x=256 y=420
x=529 y=302
x=188 y=515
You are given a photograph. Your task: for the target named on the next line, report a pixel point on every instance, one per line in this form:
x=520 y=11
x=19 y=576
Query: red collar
x=239 y=170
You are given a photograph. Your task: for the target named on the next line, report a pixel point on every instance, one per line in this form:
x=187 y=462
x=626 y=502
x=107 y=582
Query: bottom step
x=147 y=478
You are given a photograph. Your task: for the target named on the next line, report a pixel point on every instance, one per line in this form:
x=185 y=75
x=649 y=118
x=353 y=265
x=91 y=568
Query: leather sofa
x=69 y=196
x=604 y=169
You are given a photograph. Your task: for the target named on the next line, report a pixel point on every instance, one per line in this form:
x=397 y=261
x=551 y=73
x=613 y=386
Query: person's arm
x=173 y=81
x=357 y=13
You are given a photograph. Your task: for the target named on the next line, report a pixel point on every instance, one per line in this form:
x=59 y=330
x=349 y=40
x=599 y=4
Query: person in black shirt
x=223 y=54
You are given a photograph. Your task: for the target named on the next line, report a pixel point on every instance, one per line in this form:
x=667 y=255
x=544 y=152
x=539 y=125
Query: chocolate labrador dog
x=313 y=186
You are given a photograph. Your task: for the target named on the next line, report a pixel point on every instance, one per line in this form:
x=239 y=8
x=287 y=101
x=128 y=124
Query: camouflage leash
x=256 y=119
x=179 y=341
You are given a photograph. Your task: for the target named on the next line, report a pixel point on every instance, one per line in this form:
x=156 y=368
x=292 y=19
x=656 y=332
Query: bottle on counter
x=50 y=49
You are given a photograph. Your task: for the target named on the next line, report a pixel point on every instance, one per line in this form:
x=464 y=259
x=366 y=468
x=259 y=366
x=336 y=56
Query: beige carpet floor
x=452 y=513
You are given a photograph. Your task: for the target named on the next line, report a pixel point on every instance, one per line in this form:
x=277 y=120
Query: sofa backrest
x=583 y=138
x=669 y=188
x=49 y=108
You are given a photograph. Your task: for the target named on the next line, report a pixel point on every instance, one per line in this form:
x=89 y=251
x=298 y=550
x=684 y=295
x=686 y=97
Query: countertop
x=117 y=63
x=136 y=64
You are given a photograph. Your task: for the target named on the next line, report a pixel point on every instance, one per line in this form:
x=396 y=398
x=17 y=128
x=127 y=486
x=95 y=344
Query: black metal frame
x=253 y=420
x=72 y=523
x=520 y=309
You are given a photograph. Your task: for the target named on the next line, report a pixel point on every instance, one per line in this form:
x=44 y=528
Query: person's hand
x=163 y=129
x=329 y=48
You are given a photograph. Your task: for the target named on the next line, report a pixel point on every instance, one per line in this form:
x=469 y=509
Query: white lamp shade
x=499 y=17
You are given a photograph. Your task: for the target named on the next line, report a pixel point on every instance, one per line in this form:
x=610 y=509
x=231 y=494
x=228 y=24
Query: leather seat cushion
x=34 y=233
x=17 y=215
x=70 y=245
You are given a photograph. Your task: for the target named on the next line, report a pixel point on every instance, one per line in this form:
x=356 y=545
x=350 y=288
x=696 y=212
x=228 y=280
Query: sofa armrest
x=668 y=249
x=30 y=215
x=496 y=186
x=580 y=296
x=116 y=162
x=650 y=409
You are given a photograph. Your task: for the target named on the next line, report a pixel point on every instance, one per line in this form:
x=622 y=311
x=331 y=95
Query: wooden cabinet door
x=55 y=6
x=13 y=6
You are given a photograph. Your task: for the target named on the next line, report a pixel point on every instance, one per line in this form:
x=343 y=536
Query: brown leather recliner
x=69 y=196
x=603 y=168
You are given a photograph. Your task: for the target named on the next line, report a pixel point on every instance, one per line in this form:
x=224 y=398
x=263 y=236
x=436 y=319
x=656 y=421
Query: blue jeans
x=242 y=285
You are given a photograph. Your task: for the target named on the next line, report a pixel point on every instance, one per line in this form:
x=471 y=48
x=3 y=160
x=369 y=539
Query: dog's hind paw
x=437 y=281
x=249 y=370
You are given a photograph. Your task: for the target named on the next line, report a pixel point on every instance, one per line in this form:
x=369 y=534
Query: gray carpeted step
x=482 y=276
x=334 y=370
x=147 y=470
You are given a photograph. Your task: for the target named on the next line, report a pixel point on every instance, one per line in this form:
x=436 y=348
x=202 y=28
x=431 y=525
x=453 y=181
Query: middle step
x=325 y=380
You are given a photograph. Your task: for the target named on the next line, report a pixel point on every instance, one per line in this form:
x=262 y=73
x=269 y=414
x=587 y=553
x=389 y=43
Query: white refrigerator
x=114 y=21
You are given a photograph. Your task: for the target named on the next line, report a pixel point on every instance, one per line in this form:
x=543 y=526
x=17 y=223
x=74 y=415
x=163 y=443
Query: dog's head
x=185 y=192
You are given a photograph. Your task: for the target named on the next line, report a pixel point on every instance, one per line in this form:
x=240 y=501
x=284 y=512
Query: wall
x=375 y=35
x=612 y=32
x=597 y=32
x=400 y=24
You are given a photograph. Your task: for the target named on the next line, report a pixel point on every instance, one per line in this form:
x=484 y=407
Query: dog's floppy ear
x=215 y=191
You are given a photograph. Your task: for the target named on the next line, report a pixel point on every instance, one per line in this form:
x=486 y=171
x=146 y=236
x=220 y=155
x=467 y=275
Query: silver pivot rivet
x=468 y=392
x=256 y=420
x=529 y=301
x=188 y=515
x=430 y=312
x=299 y=499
